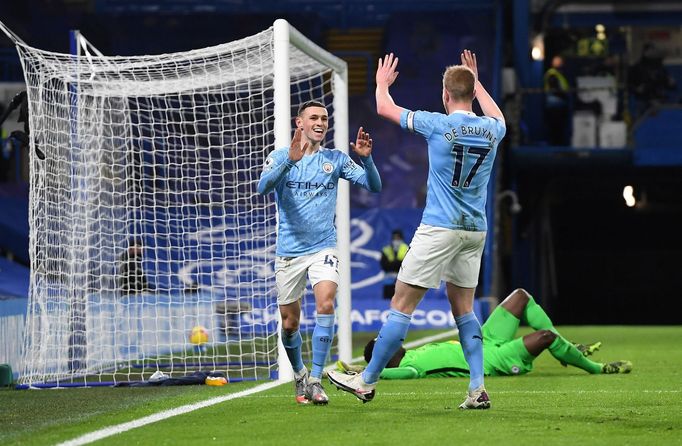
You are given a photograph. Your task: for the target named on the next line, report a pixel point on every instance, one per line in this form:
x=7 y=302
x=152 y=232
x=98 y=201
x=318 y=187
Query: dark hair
x=368 y=350
x=397 y=232
x=310 y=104
x=393 y=362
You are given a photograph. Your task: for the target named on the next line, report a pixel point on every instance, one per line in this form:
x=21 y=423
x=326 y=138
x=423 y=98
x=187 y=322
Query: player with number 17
x=449 y=242
x=305 y=179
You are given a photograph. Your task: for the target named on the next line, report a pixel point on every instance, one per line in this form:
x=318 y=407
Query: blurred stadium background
x=562 y=223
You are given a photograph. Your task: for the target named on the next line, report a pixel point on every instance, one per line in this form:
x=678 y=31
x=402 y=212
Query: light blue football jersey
x=306 y=198
x=462 y=149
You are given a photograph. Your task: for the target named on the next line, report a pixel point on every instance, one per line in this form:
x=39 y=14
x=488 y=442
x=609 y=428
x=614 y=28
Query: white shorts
x=443 y=254
x=290 y=273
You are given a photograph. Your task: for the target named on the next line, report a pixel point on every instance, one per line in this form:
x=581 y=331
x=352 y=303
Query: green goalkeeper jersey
x=436 y=359
x=502 y=354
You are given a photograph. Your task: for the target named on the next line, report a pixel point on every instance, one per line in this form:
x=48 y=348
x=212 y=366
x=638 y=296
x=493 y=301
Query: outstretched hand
x=386 y=73
x=469 y=61
x=363 y=144
x=348 y=369
x=296 y=150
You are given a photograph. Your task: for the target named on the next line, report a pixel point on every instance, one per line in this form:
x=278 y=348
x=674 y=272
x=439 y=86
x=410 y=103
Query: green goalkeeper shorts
x=504 y=354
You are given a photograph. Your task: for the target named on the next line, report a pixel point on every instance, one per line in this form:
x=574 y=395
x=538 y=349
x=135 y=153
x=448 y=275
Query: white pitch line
x=418 y=342
x=511 y=392
x=436 y=337
x=540 y=392
x=123 y=427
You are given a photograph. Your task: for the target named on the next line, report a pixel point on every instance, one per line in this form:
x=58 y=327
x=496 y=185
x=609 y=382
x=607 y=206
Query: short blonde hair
x=459 y=81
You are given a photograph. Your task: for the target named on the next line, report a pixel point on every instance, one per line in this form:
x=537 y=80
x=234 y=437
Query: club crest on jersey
x=327 y=167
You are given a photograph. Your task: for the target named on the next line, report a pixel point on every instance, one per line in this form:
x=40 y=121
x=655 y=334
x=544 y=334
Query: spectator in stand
x=648 y=79
x=131 y=277
x=392 y=256
x=557 y=113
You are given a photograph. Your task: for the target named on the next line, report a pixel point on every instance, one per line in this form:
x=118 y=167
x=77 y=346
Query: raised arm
x=488 y=105
x=275 y=169
x=363 y=148
x=385 y=76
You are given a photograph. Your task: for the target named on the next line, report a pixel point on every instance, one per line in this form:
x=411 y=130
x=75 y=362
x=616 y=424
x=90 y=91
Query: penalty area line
x=124 y=427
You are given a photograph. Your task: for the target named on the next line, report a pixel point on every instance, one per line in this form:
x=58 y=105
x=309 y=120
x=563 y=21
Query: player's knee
x=290 y=327
x=516 y=301
x=326 y=307
x=520 y=293
x=289 y=323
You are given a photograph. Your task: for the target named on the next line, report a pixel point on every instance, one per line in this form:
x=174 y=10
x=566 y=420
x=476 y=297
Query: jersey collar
x=464 y=112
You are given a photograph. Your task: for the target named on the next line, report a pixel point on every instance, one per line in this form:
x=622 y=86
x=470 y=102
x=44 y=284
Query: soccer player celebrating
x=449 y=242
x=504 y=355
x=304 y=177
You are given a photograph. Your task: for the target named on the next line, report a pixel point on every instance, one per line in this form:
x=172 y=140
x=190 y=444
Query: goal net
x=144 y=217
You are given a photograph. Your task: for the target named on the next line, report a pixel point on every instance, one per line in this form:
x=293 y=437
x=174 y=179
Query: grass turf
x=551 y=405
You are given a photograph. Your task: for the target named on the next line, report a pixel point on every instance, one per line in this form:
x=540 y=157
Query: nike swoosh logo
x=477 y=337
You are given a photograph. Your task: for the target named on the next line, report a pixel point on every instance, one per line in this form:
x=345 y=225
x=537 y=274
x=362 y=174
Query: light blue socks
x=292 y=344
x=323 y=336
x=391 y=337
x=471 y=338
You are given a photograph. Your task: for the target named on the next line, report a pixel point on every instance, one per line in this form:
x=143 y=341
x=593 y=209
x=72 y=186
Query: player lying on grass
x=503 y=354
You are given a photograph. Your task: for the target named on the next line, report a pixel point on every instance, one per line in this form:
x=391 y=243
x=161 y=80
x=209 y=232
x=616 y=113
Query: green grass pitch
x=552 y=405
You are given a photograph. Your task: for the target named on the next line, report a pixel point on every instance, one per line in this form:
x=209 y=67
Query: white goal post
x=144 y=217
x=285 y=36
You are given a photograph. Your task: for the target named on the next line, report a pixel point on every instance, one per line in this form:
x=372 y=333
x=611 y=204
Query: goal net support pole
x=284 y=36
x=166 y=150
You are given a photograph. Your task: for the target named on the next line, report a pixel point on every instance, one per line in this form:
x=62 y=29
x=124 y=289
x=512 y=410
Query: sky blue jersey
x=462 y=149
x=305 y=194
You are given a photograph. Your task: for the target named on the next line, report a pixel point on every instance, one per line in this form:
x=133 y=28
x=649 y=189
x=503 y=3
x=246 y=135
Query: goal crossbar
x=166 y=149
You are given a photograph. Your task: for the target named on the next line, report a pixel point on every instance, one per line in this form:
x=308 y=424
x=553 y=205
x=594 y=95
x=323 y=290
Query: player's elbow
x=388 y=111
x=383 y=105
x=375 y=187
x=262 y=187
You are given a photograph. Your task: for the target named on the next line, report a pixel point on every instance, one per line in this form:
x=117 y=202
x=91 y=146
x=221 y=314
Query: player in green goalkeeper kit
x=503 y=353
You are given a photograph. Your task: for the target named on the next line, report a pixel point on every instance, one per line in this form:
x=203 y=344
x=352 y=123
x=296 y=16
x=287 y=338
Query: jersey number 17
x=460 y=153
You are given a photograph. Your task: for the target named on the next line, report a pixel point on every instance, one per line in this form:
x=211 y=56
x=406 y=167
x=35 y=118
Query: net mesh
x=145 y=220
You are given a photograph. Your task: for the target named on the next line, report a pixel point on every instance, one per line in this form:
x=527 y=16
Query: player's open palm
x=296 y=149
x=363 y=144
x=386 y=71
x=469 y=60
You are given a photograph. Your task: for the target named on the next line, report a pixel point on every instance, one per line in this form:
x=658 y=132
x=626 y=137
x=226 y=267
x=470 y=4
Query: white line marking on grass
x=524 y=392
x=416 y=343
x=508 y=392
x=436 y=337
x=559 y=392
x=123 y=427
